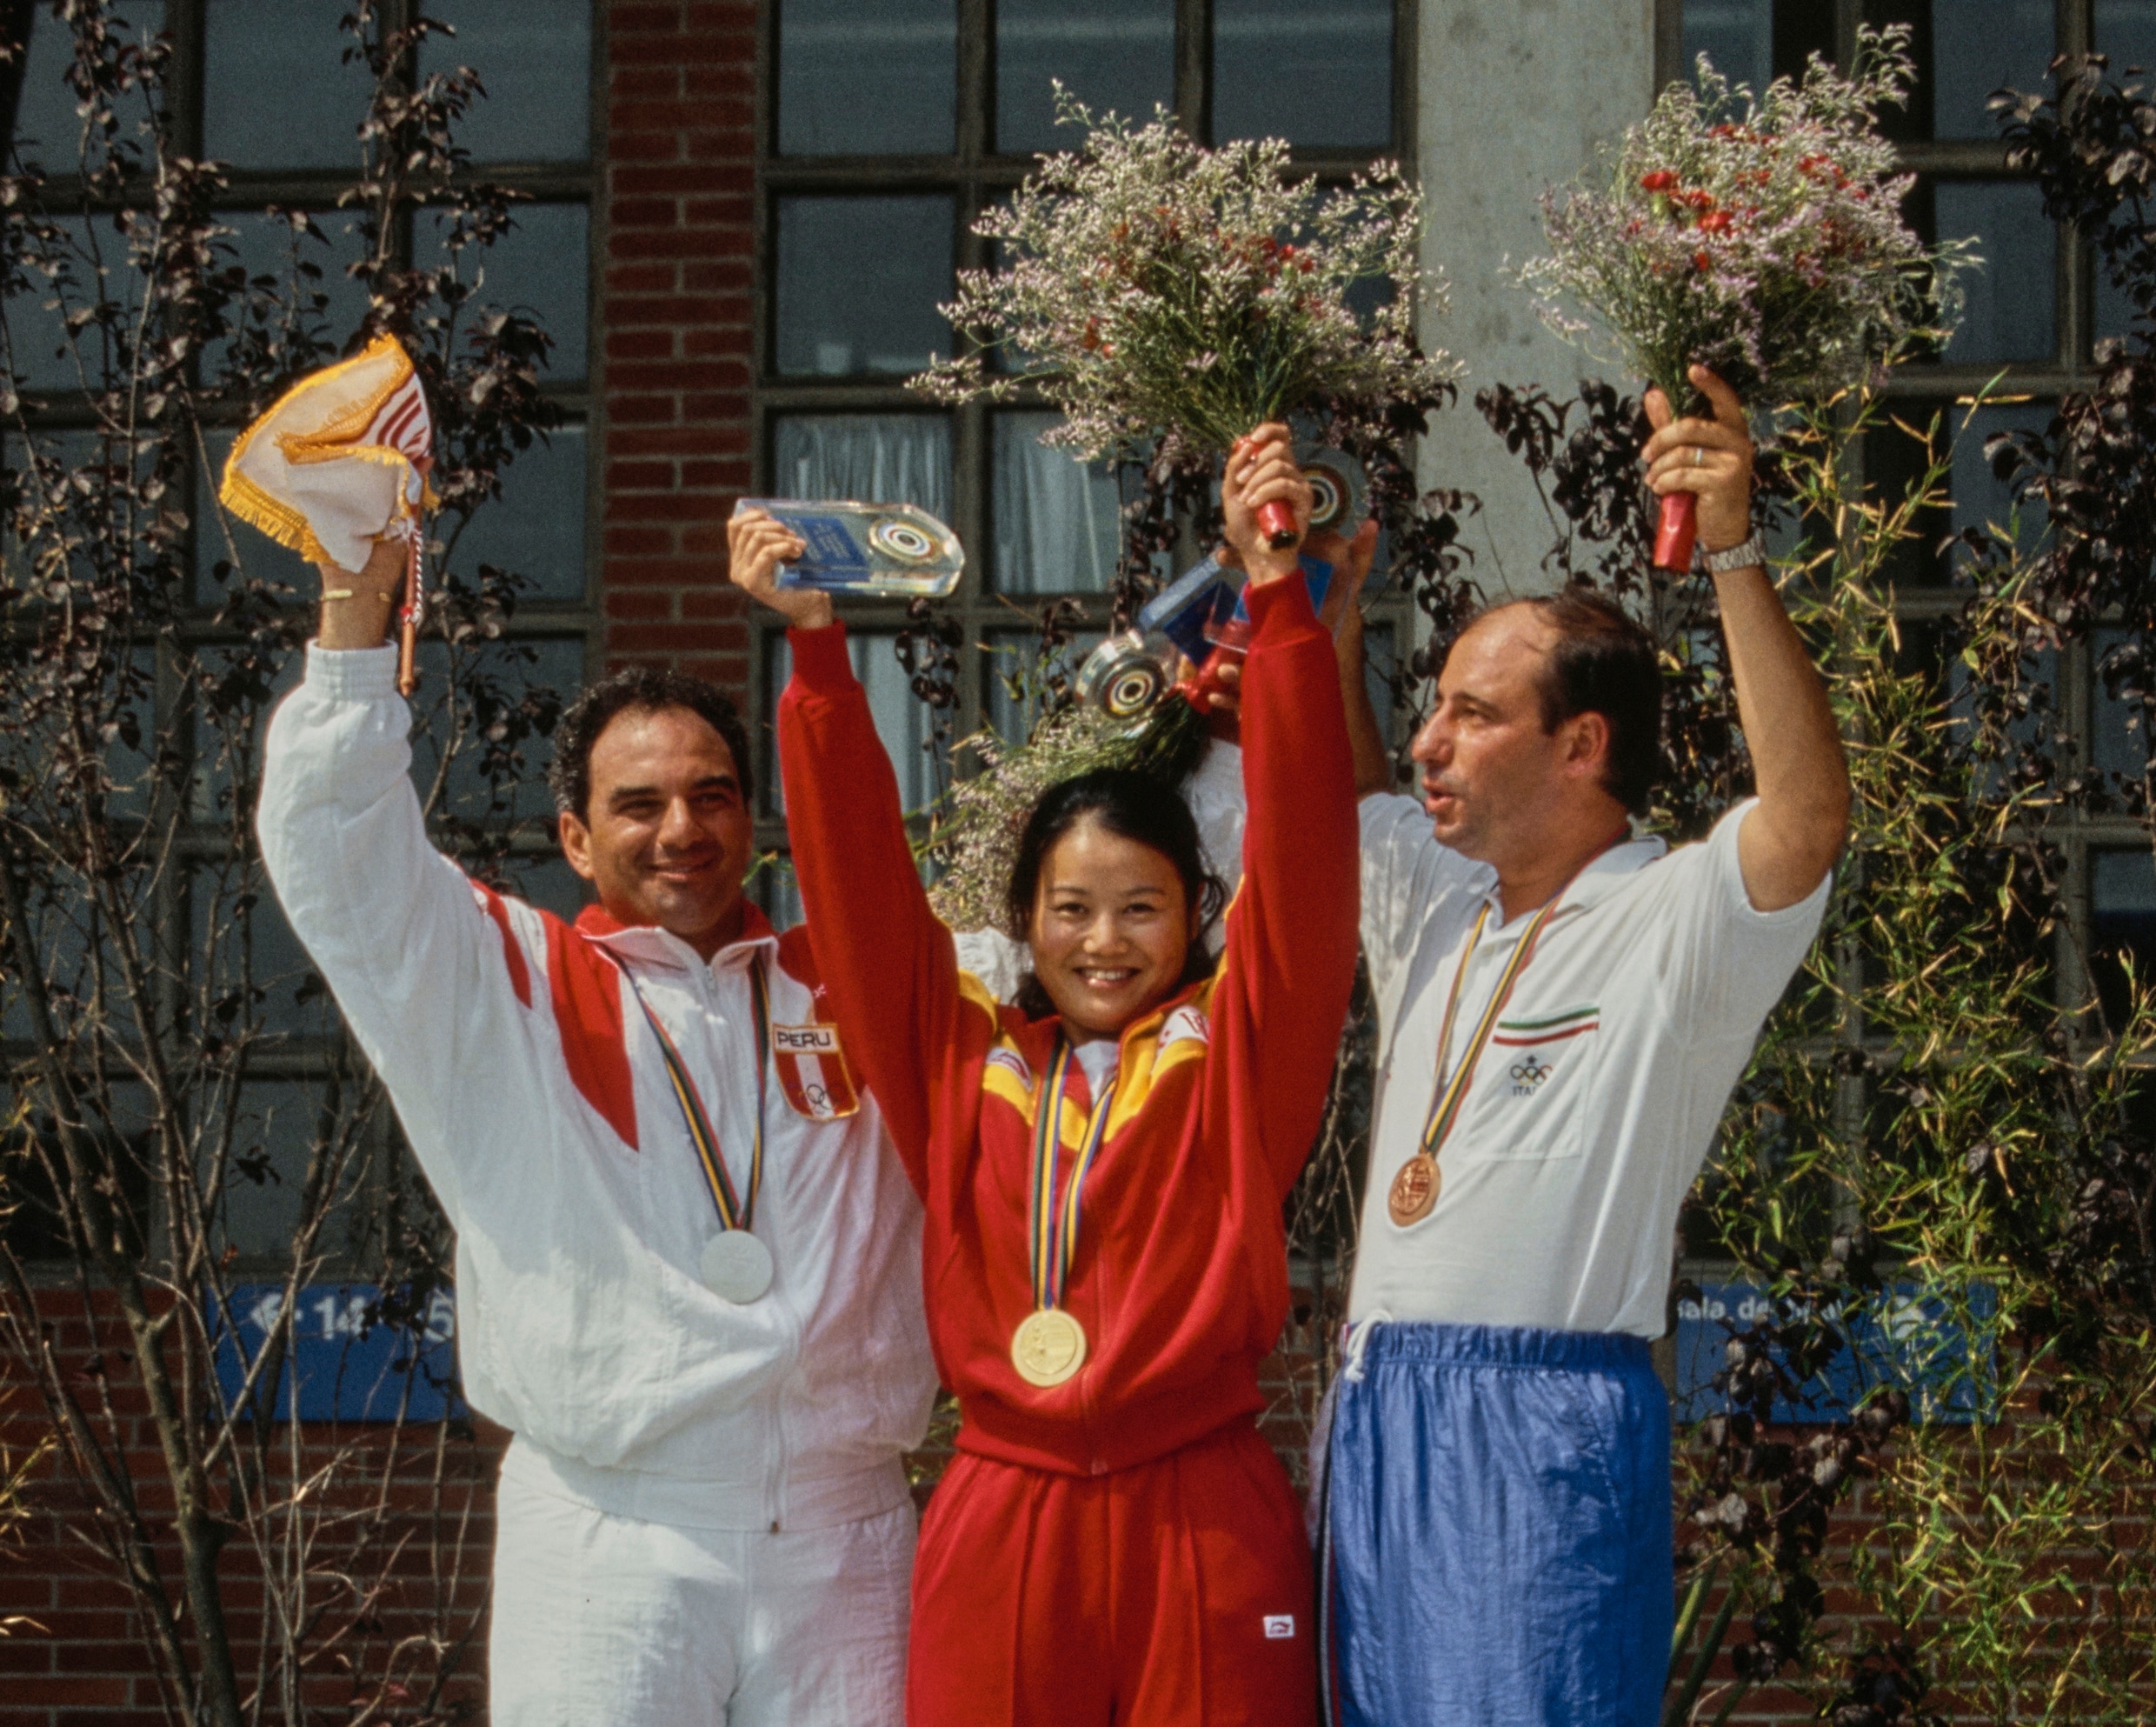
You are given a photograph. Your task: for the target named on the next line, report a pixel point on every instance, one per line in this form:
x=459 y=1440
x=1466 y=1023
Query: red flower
x=1700 y=262
x=1718 y=222
x=1660 y=181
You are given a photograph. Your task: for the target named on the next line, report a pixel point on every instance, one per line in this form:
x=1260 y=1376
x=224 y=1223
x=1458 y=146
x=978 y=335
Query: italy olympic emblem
x=813 y=1072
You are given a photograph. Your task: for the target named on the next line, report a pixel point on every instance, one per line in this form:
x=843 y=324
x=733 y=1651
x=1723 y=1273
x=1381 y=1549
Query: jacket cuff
x=821 y=662
x=351 y=674
x=1280 y=609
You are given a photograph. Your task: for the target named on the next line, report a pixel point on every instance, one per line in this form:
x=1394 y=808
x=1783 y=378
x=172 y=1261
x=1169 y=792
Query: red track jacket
x=1179 y=1278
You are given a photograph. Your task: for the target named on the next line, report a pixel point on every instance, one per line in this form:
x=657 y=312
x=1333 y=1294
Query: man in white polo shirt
x=1563 y=1009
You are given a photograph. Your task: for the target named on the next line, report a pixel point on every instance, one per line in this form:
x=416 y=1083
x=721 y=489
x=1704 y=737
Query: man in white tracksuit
x=703 y=1516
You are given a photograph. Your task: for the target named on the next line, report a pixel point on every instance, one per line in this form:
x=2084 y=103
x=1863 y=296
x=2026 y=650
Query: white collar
x=1600 y=877
x=661 y=951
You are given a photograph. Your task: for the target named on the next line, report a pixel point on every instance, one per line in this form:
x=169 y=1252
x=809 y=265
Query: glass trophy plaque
x=865 y=548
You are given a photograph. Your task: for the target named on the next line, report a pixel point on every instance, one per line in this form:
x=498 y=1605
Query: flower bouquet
x=1760 y=237
x=1164 y=294
x=1170 y=298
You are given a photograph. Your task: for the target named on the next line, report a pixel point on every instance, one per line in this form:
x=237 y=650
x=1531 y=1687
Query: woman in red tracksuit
x=1114 y=1543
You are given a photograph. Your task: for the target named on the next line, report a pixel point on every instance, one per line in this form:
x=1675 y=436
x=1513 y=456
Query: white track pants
x=601 y=1620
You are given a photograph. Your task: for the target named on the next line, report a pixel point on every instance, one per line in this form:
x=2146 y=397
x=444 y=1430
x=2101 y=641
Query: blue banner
x=347 y=1362
x=1905 y=1338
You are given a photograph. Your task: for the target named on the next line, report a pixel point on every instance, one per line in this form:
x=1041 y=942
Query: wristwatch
x=1742 y=556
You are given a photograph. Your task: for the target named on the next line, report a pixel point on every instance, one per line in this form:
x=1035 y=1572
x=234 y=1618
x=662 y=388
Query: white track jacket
x=537 y=1099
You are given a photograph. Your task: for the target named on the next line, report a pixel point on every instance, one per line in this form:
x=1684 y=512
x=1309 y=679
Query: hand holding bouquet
x=1761 y=237
x=1160 y=292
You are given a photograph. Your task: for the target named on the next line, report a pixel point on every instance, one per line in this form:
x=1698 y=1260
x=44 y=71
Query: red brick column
x=676 y=307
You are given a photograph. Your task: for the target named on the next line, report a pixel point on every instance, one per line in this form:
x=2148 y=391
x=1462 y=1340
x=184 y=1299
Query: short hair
x=644 y=690
x=1603 y=662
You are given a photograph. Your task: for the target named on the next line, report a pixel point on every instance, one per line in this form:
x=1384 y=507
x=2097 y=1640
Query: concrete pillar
x=1514 y=96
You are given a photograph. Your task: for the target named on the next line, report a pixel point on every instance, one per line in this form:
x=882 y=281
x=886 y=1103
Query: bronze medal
x=1048 y=1347
x=1413 y=1190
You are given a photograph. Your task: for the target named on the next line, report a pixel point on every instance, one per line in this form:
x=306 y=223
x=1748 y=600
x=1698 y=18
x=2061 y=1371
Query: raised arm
x=1289 y=963
x=435 y=976
x=887 y=961
x=1791 y=839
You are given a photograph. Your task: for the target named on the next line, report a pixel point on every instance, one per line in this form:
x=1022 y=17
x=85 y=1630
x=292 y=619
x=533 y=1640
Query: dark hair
x=1137 y=807
x=646 y=689
x=1602 y=663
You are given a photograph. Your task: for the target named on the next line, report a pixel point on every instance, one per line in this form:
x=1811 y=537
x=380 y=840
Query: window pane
x=1979 y=46
x=867 y=77
x=241 y=941
x=2118 y=741
x=1056 y=521
x=872 y=458
x=534 y=56
x=541 y=268
x=45 y=112
x=1894 y=460
x=1313 y=75
x=1118 y=54
x=2122 y=921
x=303 y=268
x=536 y=526
x=1738 y=35
x=491 y=680
x=1980 y=499
x=1380 y=665
x=901 y=719
x=859 y=282
x=2012 y=299
x=228 y=744
x=2125 y=29
x=66 y=272
x=1014 y=658
x=273 y=1132
x=265 y=61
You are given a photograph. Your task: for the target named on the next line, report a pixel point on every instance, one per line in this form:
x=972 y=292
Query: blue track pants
x=1497 y=1530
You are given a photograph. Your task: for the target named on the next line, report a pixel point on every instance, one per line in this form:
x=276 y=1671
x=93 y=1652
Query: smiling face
x=1110 y=931
x=1499 y=788
x=666 y=836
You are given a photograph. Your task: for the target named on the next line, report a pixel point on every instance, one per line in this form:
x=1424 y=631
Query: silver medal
x=736 y=1266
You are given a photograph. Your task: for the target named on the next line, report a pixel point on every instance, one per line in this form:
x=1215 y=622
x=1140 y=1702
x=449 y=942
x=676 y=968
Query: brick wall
x=387 y=1521
x=674 y=308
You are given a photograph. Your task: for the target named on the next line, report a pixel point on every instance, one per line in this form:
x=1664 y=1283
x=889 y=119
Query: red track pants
x=1172 y=1595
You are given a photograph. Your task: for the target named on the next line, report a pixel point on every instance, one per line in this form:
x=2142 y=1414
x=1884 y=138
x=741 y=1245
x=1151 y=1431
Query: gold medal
x=1413 y=1189
x=1048 y=1347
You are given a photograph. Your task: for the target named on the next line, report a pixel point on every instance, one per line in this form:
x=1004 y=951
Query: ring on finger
x=1698 y=456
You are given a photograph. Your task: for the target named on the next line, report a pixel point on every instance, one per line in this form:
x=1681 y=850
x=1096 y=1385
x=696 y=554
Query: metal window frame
x=974 y=175
x=292 y=1058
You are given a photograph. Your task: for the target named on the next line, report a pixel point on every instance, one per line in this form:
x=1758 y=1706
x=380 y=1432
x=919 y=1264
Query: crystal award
x=865 y=548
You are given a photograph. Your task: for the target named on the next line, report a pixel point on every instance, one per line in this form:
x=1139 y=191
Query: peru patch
x=813 y=1072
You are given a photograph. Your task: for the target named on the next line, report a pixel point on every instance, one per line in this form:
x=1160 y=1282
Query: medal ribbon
x=1053 y=1215
x=1445 y=1107
x=734 y=1212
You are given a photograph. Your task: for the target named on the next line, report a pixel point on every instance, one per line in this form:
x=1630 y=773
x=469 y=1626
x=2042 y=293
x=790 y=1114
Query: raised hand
x=1711 y=457
x=1261 y=469
x=755 y=547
